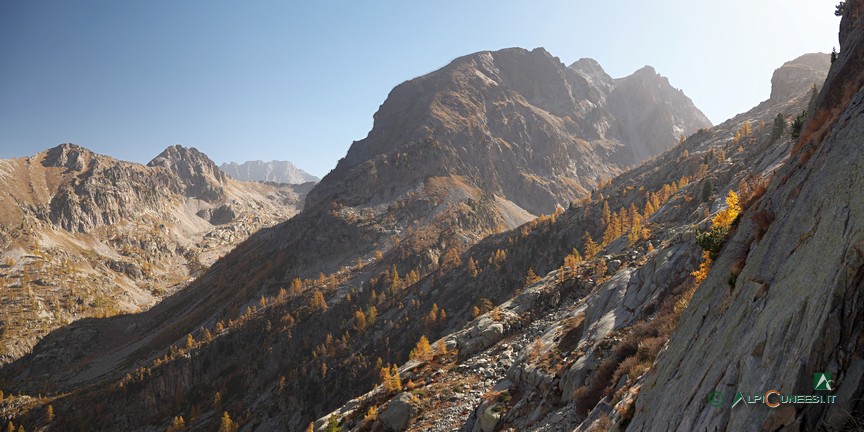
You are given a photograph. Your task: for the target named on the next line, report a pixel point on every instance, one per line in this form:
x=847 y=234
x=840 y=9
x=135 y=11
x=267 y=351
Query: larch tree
x=591 y=247
x=422 y=351
x=531 y=277
x=226 y=424
x=472 y=267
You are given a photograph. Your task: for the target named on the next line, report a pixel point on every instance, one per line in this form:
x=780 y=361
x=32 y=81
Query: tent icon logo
x=823 y=381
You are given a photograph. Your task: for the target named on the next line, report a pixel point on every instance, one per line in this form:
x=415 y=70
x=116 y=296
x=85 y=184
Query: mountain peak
x=646 y=70
x=68 y=155
x=178 y=153
x=798 y=74
x=448 y=122
x=202 y=177
x=591 y=70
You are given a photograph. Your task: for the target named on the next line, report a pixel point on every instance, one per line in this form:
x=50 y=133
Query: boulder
x=399 y=412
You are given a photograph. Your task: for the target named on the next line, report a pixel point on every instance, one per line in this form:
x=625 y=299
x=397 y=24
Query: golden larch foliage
x=371 y=414
x=422 y=351
x=296 y=287
x=226 y=424
x=704 y=267
x=605 y=216
x=728 y=215
x=359 y=320
x=472 y=267
x=531 y=277
x=318 y=302
x=591 y=247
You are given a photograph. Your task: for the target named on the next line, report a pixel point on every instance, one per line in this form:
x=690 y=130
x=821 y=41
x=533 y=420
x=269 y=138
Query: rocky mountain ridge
x=514 y=123
x=268 y=171
x=84 y=234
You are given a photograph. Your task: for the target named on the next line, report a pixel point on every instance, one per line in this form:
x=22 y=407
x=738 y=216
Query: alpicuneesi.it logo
x=772 y=398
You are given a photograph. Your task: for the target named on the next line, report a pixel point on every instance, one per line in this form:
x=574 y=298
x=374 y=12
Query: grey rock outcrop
x=801 y=72
x=203 y=179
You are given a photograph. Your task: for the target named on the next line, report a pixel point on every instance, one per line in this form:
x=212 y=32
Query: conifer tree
x=226 y=424
x=472 y=267
x=384 y=374
x=318 y=302
x=591 y=247
x=296 y=287
x=605 y=216
x=422 y=351
x=531 y=277
x=395 y=381
x=359 y=320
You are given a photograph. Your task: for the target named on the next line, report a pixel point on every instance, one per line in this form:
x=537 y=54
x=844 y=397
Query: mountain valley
x=516 y=245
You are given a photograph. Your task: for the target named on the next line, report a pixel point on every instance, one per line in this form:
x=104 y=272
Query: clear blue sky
x=284 y=80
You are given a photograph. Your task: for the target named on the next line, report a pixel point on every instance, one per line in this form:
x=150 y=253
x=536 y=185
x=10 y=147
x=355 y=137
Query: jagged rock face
x=653 y=114
x=515 y=123
x=589 y=69
x=804 y=70
x=269 y=171
x=796 y=308
x=102 y=191
x=203 y=179
x=67 y=155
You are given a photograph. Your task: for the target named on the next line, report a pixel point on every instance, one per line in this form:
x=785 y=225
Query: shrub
x=372 y=414
x=797 y=123
x=333 y=424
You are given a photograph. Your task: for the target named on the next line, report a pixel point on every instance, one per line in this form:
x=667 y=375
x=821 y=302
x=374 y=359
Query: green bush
x=712 y=240
x=797 y=123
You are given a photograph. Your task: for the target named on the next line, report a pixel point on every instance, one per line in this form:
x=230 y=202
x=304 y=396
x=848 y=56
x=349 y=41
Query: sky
x=300 y=81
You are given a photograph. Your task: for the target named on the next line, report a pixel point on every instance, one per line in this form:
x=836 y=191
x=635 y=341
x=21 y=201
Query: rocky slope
x=269 y=171
x=795 y=308
x=576 y=350
x=87 y=235
x=406 y=237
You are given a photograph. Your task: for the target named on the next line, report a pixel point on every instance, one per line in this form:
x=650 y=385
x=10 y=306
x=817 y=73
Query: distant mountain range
x=268 y=171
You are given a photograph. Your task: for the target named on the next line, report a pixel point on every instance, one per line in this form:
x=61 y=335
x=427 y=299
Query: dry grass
x=603 y=424
x=763 y=220
x=751 y=189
